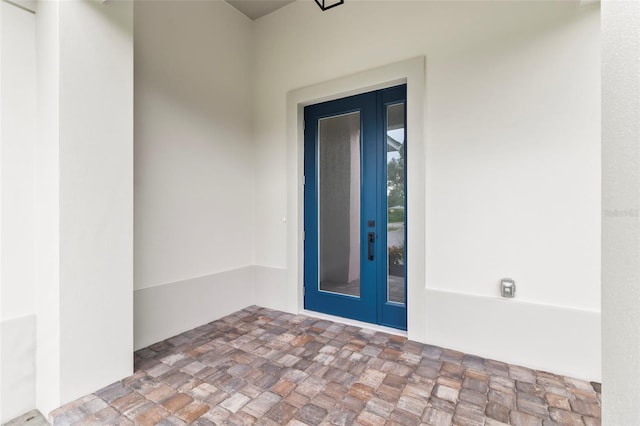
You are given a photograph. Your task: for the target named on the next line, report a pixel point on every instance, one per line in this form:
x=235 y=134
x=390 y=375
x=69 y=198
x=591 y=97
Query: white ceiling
x=254 y=9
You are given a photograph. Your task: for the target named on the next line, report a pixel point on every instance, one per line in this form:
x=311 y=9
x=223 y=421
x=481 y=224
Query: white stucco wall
x=512 y=165
x=620 y=212
x=194 y=166
x=194 y=178
x=512 y=131
x=47 y=208
x=96 y=194
x=18 y=149
x=85 y=198
x=17 y=204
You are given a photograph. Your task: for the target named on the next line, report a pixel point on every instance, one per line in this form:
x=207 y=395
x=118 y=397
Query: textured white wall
x=18 y=362
x=194 y=157
x=85 y=188
x=47 y=209
x=17 y=216
x=512 y=125
x=18 y=149
x=512 y=151
x=621 y=212
x=96 y=194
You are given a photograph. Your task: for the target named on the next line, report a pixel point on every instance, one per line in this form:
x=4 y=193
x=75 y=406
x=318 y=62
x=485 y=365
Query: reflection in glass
x=339 y=203
x=396 y=217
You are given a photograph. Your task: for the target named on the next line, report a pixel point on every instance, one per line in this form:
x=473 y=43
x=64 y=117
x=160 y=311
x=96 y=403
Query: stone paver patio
x=260 y=366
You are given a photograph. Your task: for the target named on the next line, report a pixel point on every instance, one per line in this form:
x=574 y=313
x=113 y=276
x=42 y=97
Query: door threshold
x=361 y=324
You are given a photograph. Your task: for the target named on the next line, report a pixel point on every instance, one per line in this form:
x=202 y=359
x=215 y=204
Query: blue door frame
x=372 y=305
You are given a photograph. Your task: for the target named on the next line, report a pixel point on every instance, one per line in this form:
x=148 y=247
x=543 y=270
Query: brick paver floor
x=272 y=368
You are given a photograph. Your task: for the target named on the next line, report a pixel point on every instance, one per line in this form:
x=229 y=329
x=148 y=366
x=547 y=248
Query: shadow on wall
x=195 y=63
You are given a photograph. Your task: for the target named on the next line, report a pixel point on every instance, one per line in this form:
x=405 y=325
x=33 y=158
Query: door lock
x=371 y=239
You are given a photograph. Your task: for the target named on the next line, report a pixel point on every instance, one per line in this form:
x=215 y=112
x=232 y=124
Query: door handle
x=371 y=239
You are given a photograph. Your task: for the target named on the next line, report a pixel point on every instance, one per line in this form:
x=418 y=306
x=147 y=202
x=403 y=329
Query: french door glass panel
x=396 y=218
x=339 y=203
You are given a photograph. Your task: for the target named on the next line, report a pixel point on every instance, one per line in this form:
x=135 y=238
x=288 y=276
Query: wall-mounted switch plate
x=507 y=288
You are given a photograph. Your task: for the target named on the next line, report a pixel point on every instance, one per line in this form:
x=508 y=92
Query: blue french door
x=355 y=207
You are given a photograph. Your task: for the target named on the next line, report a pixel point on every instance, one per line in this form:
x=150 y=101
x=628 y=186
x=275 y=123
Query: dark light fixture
x=328 y=4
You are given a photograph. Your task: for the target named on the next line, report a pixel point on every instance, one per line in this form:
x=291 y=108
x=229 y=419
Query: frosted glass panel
x=339 y=203
x=396 y=217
